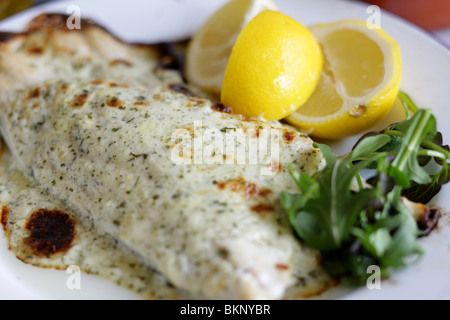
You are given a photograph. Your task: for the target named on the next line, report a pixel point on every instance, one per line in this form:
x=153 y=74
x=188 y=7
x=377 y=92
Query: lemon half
x=210 y=48
x=359 y=81
x=273 y=69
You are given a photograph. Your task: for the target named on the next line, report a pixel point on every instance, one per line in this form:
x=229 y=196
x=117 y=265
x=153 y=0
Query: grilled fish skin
x=122 y=155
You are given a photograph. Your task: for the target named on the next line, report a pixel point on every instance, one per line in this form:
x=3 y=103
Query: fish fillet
x=97 y=254
x=140 y=156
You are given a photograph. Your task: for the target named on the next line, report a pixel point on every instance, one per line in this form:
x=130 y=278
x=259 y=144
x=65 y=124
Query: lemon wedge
x=273 y=69
x=209 y=49
x=359 y=81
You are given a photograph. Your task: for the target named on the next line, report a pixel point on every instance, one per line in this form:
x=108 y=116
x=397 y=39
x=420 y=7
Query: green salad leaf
x=356 y=224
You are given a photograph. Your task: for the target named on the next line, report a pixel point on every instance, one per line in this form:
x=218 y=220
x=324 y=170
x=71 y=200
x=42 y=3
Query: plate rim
x=423 y=33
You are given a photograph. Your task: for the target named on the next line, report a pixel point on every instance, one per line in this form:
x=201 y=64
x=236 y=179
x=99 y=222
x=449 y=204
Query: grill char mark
x=51 y=232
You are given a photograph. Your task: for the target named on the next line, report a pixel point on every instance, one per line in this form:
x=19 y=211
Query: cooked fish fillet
x=64 y=241
x=142 y=161
x=47 y=50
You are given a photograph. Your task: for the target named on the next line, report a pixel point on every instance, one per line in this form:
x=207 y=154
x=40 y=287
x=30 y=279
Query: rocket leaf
x=357 y=227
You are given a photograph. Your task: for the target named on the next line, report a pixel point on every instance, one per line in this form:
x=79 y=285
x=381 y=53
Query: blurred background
x=431 y=15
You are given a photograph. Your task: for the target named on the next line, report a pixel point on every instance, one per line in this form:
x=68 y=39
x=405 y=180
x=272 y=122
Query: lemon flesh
x=273 y=69
x=359 y=81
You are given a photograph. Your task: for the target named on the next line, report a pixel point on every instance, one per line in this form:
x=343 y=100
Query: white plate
x=426 y=77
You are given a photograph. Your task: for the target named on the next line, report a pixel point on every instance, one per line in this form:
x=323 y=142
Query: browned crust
x=51 y=231
x=50 y=21
x=56 y=21
x=171 y=55
x=4 y=216
x=7 y=36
